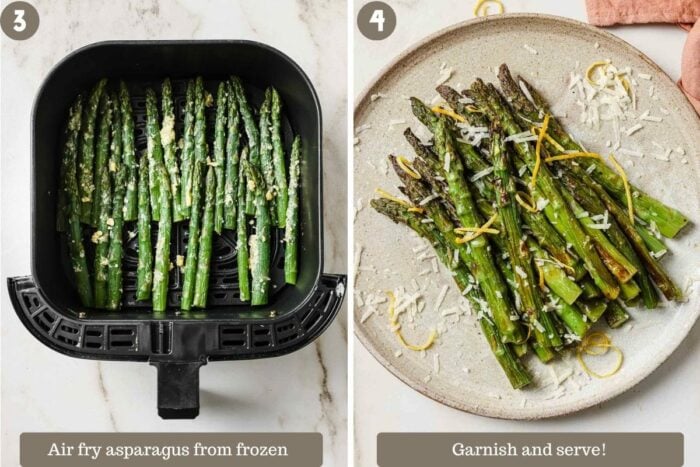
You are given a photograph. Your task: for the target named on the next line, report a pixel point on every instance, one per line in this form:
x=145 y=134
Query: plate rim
x=363 y=100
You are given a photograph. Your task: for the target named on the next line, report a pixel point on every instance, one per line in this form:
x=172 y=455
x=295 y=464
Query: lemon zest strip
x=441 y=110
x=628 y=192
x=416 y=209
x=591 y=69
x=385 y=195
x=526 y=203
x=541 y=274
x=481 y=7
x=572 y=155
x=536 y=131
x=602 y=344
x=477 y=231
x=394 y=321
x=407 y=167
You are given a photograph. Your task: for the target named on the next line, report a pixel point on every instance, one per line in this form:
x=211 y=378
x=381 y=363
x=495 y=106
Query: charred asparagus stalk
x=669 y=221
x=512 y=367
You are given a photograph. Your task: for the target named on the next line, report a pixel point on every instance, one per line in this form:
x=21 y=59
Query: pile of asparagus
x=539 y=235
x=243 y=180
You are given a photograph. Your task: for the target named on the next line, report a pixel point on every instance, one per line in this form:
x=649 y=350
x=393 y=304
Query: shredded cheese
x=441 y=110
x=385 y=195
x=598 y=344
x=538 y=149
x=407 y=167
x=416 y=209
x=481 y=8
x=628 y=192
x=396 y=327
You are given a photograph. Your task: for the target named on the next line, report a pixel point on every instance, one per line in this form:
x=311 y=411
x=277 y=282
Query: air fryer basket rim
x=319 y=231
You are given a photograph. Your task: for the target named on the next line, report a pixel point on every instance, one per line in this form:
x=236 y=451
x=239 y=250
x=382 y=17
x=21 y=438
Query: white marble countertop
x=43 y=390
x=663 y=402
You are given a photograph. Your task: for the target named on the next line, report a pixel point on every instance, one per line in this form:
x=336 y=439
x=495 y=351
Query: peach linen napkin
x=684 y=12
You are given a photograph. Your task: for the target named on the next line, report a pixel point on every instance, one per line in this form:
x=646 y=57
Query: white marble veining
x=663 y=402
x=45 y=391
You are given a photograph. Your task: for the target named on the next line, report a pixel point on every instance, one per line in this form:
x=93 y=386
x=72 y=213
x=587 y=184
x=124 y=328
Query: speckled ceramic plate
x=468 y=377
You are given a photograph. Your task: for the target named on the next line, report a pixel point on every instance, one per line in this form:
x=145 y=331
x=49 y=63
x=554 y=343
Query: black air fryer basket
x=177 y=343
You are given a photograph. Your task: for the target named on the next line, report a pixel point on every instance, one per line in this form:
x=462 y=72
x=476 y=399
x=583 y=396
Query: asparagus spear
x=546 y=235
x=260 y=241
x=669 y=221
x=475 y=253
x=291 y=230
x=278 y=160
x=201 y=150
x=654 y=245
x=616 y=315
x=188 y=287
x=232 y=159
x=479 y=259
x=220 y=156
x=129 y=154
x=188 y=149
x=512 y=367
x=594 y=308
x=572 y=318
x=117 y=167
x=557 y=210
x=242 y=231
x=144 y=269
x=102 y=153
x=73 y=204
x=266 y=163
x=201 y=287
x=86 y=181
x=616 y=262
x=554 y=276
x=161 y=272
x=101 y=238
x=155 y=151
x=519 y=254
x=167 y=139
x=251 y=129
x=657 y=273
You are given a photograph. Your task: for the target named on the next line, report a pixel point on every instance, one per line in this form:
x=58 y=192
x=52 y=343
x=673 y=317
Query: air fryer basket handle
x=178 y=389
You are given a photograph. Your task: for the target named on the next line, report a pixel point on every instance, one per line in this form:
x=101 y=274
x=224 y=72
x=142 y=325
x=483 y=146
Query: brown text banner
x=171 y=449
x=530 y=449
